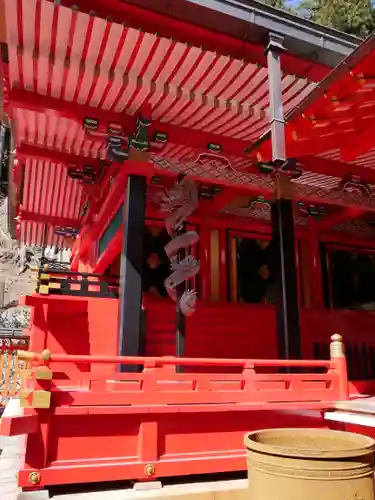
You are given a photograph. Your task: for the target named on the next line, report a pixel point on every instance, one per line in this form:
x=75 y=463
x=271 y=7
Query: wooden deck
x=357 y=415
x=363 y=404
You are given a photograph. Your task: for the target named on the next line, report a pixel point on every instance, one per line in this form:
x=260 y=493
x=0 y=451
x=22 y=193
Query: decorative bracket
x=85 y=174
x=310 y=210
x=354 y=185
x=66 y=231
x=290 y=168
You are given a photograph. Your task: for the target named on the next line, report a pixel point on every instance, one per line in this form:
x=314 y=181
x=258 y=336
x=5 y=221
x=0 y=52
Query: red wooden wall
x=89 y=325
x=74 y=325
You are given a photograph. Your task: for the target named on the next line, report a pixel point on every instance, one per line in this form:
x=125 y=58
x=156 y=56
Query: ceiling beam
x=348 y=135
x=257 y=187
x=209 y=208
x=300 y=147
x=362 y=142
x=362 y=109
x=185 y=22
x=337 y=218
x=176 y=135
x=161 y=87
x=24 y=215
x=337 y=168
x=23 y=99
x=30 y=151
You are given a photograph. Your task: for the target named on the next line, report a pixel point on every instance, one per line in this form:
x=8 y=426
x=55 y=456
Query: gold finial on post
x=46 y=355
x=337 y=346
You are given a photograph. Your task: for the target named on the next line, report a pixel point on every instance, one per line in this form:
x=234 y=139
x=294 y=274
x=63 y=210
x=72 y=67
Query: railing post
x=337 y=353
x=248 y=374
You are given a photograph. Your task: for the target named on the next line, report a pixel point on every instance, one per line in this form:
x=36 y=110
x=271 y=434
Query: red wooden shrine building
x=116 y=117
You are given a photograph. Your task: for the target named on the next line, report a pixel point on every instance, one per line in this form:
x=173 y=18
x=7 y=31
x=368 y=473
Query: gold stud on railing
x=337 y=346
x=150 y=469
x=34 y=478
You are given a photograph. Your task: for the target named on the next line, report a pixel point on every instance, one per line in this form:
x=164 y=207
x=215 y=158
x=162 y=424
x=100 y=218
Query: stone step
x=218 y=490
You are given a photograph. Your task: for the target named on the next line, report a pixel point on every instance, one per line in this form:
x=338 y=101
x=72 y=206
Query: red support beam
x=48 y=219
x=110 y=205
x=31 y=151
x=338 y=218
x=337 y=168
x=352 y=135
x=176 y=135
x=250 y=189
x=185 y=32
x=361 y=143
x=333 y=116
x=349 y=134
x=22 y=99
x=298 y=148
x=208 y=208
x=342 y=239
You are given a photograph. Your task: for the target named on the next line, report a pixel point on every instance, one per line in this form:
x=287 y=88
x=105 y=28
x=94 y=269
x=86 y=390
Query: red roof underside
x=336 y=121
x=65 y=65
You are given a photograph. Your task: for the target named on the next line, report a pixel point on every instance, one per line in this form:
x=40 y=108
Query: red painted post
x=38 y=397
x=315 y=265
x=223 y=265
x=205 y=260
x=338 y=359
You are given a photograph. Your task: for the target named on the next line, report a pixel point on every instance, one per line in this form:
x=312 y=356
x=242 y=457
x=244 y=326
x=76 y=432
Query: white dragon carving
x=180 y=202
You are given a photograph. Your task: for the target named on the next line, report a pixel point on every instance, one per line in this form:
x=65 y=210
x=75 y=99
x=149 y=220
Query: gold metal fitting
x=25 y=355
x=337 y=346
x=150 y=469
x=43 y=373
x=46 y=355
x=34 y=478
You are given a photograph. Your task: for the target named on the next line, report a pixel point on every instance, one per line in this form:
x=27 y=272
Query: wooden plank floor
x=359 y=405
x=9 y=464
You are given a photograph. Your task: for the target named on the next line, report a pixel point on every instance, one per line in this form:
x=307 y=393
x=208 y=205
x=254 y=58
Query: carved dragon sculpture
x=180 y=202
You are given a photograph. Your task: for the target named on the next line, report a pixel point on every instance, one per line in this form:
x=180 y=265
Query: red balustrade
x=98 y=425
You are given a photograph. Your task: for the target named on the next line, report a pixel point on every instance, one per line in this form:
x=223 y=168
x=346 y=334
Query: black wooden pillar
x=5 y=138
x=287 y=305
x=130 y=314
x=180 y=318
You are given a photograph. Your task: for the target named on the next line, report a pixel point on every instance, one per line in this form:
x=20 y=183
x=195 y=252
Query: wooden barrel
x=313 y=464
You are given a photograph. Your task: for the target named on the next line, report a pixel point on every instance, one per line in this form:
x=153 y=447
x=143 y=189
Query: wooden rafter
x=338 y=218
x=30 y=101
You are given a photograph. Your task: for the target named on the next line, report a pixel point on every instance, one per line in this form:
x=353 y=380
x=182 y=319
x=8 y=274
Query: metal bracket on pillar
x=180 y=318
x=287 y=306
x=274 y=49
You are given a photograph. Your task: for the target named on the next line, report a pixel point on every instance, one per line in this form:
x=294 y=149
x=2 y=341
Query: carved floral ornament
x=213 y=164
x=209 y=170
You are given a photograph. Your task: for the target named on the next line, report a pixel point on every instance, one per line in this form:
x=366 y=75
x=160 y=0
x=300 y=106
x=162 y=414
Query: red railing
x=159 y=383
x=158 y=422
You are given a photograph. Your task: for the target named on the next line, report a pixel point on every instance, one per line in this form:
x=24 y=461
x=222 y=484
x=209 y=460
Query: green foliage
x=356 y=17
x=350 y=16
x=280 y=4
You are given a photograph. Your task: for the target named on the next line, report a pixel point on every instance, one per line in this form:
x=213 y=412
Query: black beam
x=285 y=273
x=180 y=318
x=130 y=314
x=4 y=158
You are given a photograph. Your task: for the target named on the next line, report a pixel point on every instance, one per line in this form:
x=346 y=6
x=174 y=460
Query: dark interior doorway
x=255 y=268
